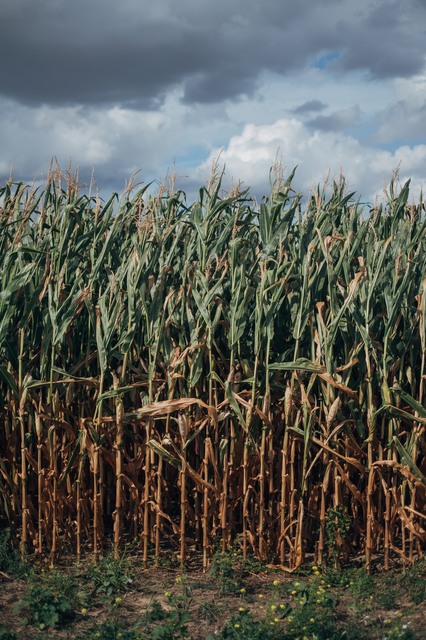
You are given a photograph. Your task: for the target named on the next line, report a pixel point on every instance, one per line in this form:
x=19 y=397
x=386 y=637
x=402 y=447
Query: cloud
x=114 y=142
x=103 y=52
x=310 y=106
x=318 y=154
x=387 y=42
x=337 y=121
x=404 y=120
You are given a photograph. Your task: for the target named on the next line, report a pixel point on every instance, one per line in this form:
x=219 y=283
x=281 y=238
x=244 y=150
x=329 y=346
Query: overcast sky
x=117 y=87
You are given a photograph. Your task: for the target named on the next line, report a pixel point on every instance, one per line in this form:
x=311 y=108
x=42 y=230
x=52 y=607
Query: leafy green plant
x=229 y=568
x=110 y=576
x=360 y=585
x=414 y=581
x=244 y=626
x=174 y=620
x=112 y=630
x=337 y=526
x=311 y=611
x=51 y=598
x=209 y=612
x=45 y=607
x=155 y=612
x=6 y=634
x=174 y=627
x=10 y=558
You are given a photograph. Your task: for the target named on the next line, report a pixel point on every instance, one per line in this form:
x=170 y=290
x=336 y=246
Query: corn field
x=190 y=375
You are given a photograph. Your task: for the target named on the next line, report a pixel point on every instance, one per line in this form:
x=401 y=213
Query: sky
x=174 y=86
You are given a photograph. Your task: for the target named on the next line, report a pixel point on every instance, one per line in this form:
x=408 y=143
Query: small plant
x=228 y=568
x=360 y=585
x=46 y=608
x=312 y=610
x=6 y=634
x=155 y=612
x=112 y=630
x=414 y=581
x=110 y=577
x=209 y=612
x=174 y=621
x=337 y=526
x=10 y=559
x=244 y=626
x=51 y=599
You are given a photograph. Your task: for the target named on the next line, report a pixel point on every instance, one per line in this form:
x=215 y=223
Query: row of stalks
x=190 y=375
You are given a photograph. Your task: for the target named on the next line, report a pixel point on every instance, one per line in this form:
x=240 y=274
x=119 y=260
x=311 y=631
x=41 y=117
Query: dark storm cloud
x=389 y=41
x=132 y=52
x=310 y=106
x=337 y=121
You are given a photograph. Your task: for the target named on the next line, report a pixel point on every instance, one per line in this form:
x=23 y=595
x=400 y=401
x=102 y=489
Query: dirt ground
x=210 y=600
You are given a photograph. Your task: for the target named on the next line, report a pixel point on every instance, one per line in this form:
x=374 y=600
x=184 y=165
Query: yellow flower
x=117 y=600
x=168 y=594
x=276 y=583
x=84 y=611
x=293 y=592
x=317 y=573
x=241 y=609
x=178 y=579
x=276 y=619
x=314 y=568
x=261 y=595
x=242 y=590
x=297 y=584
x=273 y=607
x=236 y=626
x=311 y=619
x=282 y=606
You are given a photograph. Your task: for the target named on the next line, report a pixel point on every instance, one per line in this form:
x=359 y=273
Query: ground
x=235 y=599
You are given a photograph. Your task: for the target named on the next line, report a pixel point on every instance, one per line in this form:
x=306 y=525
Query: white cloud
x=318 y=154
x=404 y=119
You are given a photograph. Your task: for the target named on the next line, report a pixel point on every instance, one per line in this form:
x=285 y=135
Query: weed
x=10 y=559
x=414 y=582
x=110 y=576
x=6 y=634
x=230 y=568
x=337 y=526
x=209 y=612
x=243 y=626
x=173 y=627
x=45 y=607
x=112 y=630
x=312 y=611
x=155 y=612
x=173 y=621
x=360 y=585
x=51 y=599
